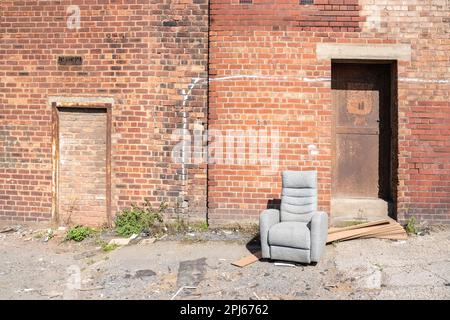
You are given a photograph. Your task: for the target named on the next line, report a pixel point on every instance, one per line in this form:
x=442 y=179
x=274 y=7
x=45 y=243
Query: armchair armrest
x=267 y=219
x=319 y=232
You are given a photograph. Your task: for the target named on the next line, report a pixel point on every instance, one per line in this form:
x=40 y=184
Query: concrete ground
x=190 y=268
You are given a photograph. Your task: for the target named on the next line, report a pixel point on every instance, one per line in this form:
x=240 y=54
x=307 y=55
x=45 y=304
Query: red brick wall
x=82 y=159
x=339 y=15
x=265 y=75
x=140 y=53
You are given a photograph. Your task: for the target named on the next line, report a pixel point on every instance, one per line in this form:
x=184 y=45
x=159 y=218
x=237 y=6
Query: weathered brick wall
x=265 y=75
x=142 y=54
x=423 y=98
x=340 y=15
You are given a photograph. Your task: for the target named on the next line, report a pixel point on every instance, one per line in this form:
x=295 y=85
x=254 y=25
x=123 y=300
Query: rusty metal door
x=359 y=92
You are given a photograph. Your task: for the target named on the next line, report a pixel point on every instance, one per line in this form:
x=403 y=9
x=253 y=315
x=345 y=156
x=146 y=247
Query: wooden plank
x=351 y=233
x=382 y=229
x=393 y=237
x=385 y=228
x=357 y=233
x=388 y=233
x=247 y=260
x=385 y=235
x=381 y=232
x=359 y=226
x=372 y=232
x=390 y=228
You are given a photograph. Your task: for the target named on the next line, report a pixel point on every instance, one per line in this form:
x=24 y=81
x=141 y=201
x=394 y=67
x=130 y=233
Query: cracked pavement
x=417 y=268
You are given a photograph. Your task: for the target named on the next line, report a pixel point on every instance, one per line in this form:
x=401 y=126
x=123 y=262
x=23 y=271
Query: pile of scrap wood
x=382 y=229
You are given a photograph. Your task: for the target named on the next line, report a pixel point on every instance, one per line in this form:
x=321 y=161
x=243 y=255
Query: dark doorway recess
x=364 y=98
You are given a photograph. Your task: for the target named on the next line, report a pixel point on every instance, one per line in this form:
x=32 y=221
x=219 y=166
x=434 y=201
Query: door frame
x=393 y=123
x=55 y=152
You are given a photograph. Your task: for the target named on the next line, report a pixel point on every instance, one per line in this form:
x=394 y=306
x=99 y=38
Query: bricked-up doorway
x=364 y=150
x=82 y=185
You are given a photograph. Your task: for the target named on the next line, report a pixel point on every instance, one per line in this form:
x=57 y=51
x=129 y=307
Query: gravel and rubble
x=37 y=264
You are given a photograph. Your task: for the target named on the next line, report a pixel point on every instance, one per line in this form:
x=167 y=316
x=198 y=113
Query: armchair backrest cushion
x=298 y=195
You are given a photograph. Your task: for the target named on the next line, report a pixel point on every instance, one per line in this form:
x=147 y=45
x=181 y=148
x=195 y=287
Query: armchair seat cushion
x=291 y=234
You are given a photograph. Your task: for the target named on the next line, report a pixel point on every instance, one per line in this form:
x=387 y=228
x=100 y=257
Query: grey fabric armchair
x=297 y=232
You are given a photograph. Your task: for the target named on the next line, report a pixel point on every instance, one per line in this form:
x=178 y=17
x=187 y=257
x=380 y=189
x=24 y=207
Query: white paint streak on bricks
x=274 y=78
x=424 y=80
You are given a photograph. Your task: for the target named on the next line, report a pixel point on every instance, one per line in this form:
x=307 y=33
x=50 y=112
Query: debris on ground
x=191 y=272
x=135 y=239
x=181 y=289
x=122 y=241
x=257 y=297
x=162 y=237
x=48 y=235
x=247 y=260
x=284 y=264
x=91 y=289
x=119 y=241
x=166 y=282
x=87 y=254
x=53 y=294
x=147 y=241
x=369 y=269
x=144 y=273
x=381 y=229
x=7 y=229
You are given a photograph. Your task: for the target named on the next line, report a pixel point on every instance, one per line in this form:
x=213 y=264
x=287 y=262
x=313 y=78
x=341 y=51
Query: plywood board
x=372 y=233
x=385 y=234
x=352 y=233
x=359 y=226
x=393 y=237
x=369 y=231
x=247 y=260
